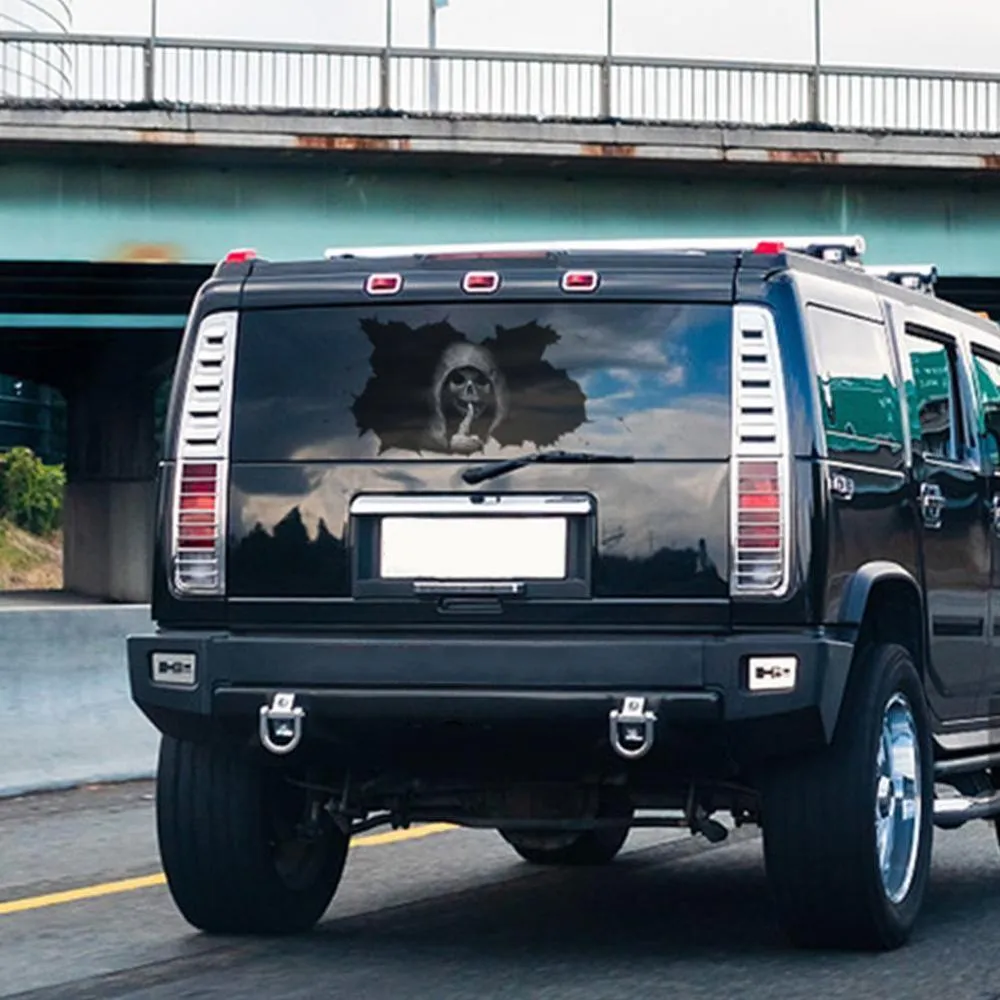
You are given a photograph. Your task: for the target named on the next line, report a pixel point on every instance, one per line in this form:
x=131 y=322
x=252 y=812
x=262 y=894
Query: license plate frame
x=561 y=529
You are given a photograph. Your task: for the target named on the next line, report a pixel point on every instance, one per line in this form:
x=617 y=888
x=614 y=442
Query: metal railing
x=102 y=71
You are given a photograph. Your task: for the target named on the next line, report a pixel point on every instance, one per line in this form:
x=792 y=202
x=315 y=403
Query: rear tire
x=995 y=782
x=234 y=861
x=848 y=832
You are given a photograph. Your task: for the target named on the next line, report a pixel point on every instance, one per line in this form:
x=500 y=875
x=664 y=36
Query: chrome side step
x=951 y=813
x=966 y=765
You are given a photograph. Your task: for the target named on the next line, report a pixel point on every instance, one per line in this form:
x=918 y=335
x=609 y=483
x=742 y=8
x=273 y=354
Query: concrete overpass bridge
x=116 y=200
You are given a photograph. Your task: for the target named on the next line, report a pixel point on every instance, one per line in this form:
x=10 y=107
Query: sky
x=903 y=33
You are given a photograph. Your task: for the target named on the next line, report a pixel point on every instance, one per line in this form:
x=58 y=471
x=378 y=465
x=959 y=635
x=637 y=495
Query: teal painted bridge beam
x=90 y=321
x=88 y=209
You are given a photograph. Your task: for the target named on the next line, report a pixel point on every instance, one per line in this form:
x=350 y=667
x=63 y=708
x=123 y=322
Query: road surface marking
x=87 y=892
x=149 y=881
x=397 y=836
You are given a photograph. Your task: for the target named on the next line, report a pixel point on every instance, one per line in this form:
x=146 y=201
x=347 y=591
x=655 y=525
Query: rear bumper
x=357 y=689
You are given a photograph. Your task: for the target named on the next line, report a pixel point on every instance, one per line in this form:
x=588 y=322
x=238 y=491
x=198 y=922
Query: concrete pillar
x=110 y=466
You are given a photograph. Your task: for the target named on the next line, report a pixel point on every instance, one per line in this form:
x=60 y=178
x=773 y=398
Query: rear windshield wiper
x=480 y=473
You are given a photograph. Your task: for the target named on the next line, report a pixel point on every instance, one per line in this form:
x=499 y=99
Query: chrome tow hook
x=281 y=724
x=632 y=728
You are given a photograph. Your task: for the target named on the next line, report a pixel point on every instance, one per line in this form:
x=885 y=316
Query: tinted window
x=856 y=383
x=452 y=380
x=931 y=396
x=987 y=375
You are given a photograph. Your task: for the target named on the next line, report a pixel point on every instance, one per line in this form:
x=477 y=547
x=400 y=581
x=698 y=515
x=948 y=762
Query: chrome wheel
x=898 y=798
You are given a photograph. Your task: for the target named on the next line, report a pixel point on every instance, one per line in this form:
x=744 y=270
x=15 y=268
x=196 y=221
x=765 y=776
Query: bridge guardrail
x=134 y=71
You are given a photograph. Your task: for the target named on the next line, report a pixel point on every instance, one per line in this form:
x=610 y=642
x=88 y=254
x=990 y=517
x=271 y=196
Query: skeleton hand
x=462 y=440
x=463 y=430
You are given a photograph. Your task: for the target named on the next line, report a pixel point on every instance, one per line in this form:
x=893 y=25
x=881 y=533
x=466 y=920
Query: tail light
x=760 y=480
x=759 y=527
x=198 y=536
x=198 y=542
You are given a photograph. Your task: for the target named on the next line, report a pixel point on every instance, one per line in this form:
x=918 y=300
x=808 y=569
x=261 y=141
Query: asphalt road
x=456 y=914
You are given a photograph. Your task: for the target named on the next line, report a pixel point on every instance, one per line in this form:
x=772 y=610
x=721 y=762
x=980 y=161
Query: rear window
x=447 y=381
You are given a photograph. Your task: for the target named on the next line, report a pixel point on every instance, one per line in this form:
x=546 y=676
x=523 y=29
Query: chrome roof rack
x=919 y=277
x=843 y=249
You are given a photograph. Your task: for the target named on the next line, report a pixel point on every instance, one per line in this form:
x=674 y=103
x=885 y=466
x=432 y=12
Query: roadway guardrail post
x=606 y=88
x=385 y=79
x=815 y=86
x=149 y=70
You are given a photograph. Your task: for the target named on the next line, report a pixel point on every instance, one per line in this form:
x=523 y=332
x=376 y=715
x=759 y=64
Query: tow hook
x=281 y=724
x=632 y=728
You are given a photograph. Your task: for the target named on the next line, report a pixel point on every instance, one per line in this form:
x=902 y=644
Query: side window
x=986 y=370
x=932 y=395
x=856 y=382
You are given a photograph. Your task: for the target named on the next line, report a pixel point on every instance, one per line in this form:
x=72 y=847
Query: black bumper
x=380 y=683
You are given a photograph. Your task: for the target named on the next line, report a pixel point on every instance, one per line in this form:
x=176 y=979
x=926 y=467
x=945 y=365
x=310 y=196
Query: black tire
x=584 y=848
x=820 y=843
x=233 y=862
x=995 y=782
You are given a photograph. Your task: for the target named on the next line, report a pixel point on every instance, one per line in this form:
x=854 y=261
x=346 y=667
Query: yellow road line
x=74 y=895
x=149 y=881
x=396 y=836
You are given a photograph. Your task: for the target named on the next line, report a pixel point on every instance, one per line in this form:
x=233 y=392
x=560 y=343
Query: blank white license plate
x=473 y=548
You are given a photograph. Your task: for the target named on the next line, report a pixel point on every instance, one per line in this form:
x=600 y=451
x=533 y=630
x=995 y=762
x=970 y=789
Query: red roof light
x=770 y=247
x=384 y=284
x=240 y=256
x=482 y=282
x=580 y=281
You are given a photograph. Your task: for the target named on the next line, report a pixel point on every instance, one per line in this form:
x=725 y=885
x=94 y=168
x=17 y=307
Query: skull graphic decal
x=470 y=399
x=432 y=389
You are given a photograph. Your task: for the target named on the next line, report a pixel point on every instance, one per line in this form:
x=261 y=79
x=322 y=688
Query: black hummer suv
x=560 y=540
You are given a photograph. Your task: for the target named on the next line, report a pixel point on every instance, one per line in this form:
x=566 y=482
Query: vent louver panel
x=204 y=431
x=759 y=473
x=201 y=476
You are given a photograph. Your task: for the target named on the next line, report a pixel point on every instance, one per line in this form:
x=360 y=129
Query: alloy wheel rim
x=898 y=799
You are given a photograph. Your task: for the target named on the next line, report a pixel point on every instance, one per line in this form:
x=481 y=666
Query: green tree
x=31 y=493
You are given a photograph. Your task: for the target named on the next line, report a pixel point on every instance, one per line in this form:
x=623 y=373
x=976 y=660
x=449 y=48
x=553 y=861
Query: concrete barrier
x=66 y=717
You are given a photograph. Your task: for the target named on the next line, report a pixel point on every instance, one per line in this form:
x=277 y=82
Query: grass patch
x=29 y=562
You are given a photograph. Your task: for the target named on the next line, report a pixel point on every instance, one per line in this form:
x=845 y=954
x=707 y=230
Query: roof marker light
x=580 y=281
x=770 y=247
x=384 y=284
x=240 y=256
x=480 y=282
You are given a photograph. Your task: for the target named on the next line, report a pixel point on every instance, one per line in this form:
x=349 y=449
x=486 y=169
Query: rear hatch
x=354 y=423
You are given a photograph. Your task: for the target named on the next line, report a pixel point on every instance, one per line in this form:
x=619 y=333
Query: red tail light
x=759 y=528
x=760 y=466
x=198 y=541
x=759 y=493
x=198 y=516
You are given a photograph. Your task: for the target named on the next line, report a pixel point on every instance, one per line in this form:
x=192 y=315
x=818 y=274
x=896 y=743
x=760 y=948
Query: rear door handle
x=932 y=503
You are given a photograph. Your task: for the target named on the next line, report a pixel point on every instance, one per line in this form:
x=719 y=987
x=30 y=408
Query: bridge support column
x=111 y=464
